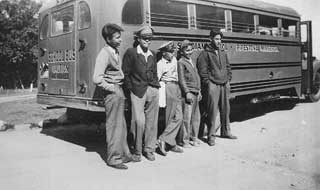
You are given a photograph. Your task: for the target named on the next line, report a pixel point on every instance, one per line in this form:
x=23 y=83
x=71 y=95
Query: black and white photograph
x=159 y=94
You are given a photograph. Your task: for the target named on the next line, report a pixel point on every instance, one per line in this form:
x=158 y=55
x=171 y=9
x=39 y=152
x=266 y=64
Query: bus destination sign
x=60 y=71
x=59 y=63
x=256 y=48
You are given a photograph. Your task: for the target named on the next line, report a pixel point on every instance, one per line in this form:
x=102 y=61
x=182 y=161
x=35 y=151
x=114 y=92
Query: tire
x=315 y=94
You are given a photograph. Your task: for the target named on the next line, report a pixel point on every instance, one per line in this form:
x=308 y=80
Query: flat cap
x=167 y=47
x=144 y=31
x=214 y=32
x=185 y=43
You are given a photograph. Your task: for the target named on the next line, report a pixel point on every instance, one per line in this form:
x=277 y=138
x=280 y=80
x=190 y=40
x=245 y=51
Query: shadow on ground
x=240 y=112
x=92 y=135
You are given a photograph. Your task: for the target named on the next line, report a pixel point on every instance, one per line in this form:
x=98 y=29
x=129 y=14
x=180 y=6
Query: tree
x=18 y=40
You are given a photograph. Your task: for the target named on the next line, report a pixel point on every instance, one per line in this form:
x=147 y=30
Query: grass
x=26 y=111
x=12 y=92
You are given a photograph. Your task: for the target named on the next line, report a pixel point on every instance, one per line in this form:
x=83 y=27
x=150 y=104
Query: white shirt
x=167 y=70
x=145 y=54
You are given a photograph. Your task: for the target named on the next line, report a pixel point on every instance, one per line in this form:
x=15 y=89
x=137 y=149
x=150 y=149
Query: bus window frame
x=171 y=23
x=241 y=26
x=142 y=6
x=254 y=12
x=45 y=17
x=74 y=21
x=79 y=15
x=212 y=6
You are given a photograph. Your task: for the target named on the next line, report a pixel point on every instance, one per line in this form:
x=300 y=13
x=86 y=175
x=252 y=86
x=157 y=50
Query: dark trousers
x=144 y=123
x=218 y=101
x=173 y=112
x=116 y=129
x=191 y=120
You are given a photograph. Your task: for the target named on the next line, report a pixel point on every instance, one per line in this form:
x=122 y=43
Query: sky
x=306 y=8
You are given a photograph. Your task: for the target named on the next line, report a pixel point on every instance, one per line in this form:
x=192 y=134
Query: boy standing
x=141 y=83
x=168 y=76
x=109 y=76
x=190 y=86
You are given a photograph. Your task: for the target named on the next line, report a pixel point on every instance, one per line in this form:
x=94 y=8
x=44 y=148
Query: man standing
x=141 y=83
x=215 y=73
x=109 y=76
x=168 y=76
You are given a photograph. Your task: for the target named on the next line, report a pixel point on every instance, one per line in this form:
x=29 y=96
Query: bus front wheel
x=315 y=95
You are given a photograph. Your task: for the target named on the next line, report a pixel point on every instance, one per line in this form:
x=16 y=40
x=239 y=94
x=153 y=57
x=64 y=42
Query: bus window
x=84 y=16
x=168 y=13
x=289 y=28
x=132 y=12
x=62 y=21
x=44 y=28
x=268 y=25
x=210 y=17
x=242 y=22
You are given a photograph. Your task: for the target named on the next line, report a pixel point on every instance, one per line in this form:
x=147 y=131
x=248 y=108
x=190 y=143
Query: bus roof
x=252 y=4
x=261 y=6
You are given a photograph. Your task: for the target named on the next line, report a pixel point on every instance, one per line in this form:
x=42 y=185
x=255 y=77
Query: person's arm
x=101 y=64
x=159 y=69
x=126 y=68
x=202 y=65
x=182 y=80
x=228 y=69
x=155 y=70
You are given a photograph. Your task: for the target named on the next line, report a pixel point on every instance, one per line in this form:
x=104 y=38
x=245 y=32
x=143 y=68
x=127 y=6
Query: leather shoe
x=132 y=158
x=229 y=136
x=195 y=142
x=187 y=145
x=136 y=158
x=176 y=149
x=149 y=156
x=120 y=166
x=162 y=147
x=211 y=142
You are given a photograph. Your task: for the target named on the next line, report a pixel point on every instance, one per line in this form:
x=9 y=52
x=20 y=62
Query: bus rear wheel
x=315 y=95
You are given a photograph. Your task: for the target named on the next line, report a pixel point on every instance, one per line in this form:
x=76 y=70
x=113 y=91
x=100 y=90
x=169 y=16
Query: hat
x=214 y=32
x=167 y=47
x=144 y=31
x=185 y=43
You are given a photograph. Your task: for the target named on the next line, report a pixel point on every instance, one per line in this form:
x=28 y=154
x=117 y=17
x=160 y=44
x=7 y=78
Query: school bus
x=269 y=47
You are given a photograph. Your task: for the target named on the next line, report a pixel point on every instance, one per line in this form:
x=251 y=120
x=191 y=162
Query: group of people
x=149 y=82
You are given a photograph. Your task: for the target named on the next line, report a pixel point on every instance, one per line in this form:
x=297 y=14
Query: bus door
x=84 y=47
x=43 y=65
x=61 y=50
x=306 y=56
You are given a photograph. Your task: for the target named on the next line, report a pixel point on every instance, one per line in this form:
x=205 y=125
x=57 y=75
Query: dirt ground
x=278 y=148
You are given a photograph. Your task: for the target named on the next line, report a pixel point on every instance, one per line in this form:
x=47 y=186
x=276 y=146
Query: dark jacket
x=138 y=74
x=189 y=79
x=213 y=67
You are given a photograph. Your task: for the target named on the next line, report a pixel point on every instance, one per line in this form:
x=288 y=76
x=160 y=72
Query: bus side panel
x=264 y=67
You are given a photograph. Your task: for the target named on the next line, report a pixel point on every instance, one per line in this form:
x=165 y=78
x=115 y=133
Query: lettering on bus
x=60 y=71
x=198 y=46
x=62 y=56
x=256 y=48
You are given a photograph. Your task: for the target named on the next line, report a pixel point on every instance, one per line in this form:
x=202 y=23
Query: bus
x=269 y=47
